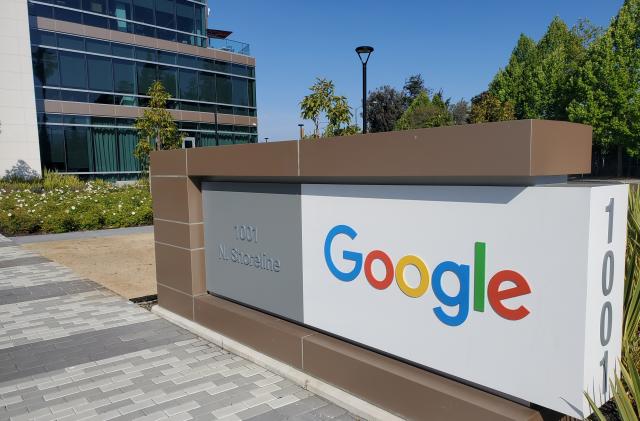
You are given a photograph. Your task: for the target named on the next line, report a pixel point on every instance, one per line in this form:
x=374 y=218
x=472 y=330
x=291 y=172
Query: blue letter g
x=347 y=255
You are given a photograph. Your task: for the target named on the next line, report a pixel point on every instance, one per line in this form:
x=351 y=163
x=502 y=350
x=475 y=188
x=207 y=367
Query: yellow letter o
x=416 y=262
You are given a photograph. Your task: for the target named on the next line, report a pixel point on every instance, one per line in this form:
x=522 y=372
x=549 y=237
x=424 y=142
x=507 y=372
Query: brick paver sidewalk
x=71 y=349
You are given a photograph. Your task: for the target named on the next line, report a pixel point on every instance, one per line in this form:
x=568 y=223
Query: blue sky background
x=457 y=45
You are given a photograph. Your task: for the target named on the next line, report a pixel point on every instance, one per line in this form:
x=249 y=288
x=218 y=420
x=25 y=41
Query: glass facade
x=82 y=69
x=104 y=145
x=181 y=21
x=121 y=74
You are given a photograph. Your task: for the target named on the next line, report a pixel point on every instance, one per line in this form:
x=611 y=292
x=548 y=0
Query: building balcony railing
x=229 y=45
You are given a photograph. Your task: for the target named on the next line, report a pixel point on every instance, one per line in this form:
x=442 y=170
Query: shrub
x=55 y=180
x=63 y=203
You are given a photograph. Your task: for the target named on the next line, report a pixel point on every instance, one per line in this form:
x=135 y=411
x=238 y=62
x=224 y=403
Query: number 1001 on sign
x=606 y=312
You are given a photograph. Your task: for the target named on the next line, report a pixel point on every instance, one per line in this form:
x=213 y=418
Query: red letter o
x=388 y=266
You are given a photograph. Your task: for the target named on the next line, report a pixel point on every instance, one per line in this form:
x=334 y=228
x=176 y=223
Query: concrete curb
x=331 y=393
x=77 y=235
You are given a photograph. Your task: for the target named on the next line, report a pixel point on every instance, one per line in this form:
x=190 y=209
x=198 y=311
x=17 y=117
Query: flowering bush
x=42 y=207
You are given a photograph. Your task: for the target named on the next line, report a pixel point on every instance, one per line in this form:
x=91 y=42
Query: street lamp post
x=266 y=140
x=301 y=130
x=364 y=52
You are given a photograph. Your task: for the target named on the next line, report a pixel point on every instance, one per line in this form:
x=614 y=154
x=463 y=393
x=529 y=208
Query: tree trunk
x=619 y=169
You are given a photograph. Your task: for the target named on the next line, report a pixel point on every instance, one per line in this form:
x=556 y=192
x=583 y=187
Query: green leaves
x=538 y=79
x=425 y=112
x=156 y=123
x=487 y=107
x=607 y=86
x=323 y=99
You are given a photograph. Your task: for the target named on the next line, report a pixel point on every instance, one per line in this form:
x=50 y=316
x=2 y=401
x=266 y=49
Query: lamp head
x=364 y=51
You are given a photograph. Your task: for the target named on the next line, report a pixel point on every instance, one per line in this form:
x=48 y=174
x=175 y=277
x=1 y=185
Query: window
x=45 y=66
x=225 y=138
x=209 y=64
x=143 y=11
x=67 y=15
x=43 y=38
x=144 y=30
x=238 y=69
x=165 y=13
x=240 y=92
x=184 y=16
x=122 y=50
x=100 y=73
x=75 y=96
x=73 y=73
x=252 y=93
x=70 y=42
x=145 y=54
x=165 y=34
x=105 y=148
x=223 y=66
x=242 y=138
x=75 y=4
x=100 y=47
x=127 y=140
x=52 y=147
x=96 y=98
x=167 y=75
x=120 y=9
x=95 y=6
x=93 y=20
x=122 y=26
x=77 y=148
x=124 y=75
x=165 y=57
x=223 y=88
x=188 y=61
x=188 y=84
x=199 y=17
x=207 y=87
x=146 y=77
x=40 y=10
x=207 y=108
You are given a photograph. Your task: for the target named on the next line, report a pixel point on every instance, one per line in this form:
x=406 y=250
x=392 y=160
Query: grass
x=62 y=203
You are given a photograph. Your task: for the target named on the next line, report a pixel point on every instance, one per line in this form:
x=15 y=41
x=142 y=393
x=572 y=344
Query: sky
x=456 y=46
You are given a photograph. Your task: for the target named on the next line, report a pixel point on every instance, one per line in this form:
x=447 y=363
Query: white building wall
x=18 y=131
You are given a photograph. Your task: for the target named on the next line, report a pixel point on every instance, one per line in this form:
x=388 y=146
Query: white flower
x=9 y=214
x=73 y=208
x=133 y=213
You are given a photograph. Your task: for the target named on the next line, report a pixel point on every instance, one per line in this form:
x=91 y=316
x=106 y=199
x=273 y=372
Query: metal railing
x=229 y=45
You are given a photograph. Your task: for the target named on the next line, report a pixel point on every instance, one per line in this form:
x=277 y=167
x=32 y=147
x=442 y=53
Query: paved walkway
x=71 y=349
x=77 y=235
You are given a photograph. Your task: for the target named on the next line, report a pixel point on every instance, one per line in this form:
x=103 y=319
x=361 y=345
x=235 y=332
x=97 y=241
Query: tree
x=338 y=114
x=608 y=85
x=460 y=112
x=538 y=78
x=385 y=105
x=487 y=107
x=156 y=128
x=414 y=86
x=323 y=99
x=425 y=112
x=515 y=83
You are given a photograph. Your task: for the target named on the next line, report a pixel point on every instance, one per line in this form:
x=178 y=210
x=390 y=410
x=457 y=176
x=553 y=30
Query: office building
x=77 y=73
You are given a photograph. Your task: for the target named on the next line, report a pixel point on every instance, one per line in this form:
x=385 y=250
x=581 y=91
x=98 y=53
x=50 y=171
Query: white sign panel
x=516 y=289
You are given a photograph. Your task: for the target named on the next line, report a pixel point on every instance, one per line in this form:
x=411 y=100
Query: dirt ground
x=125 y=263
